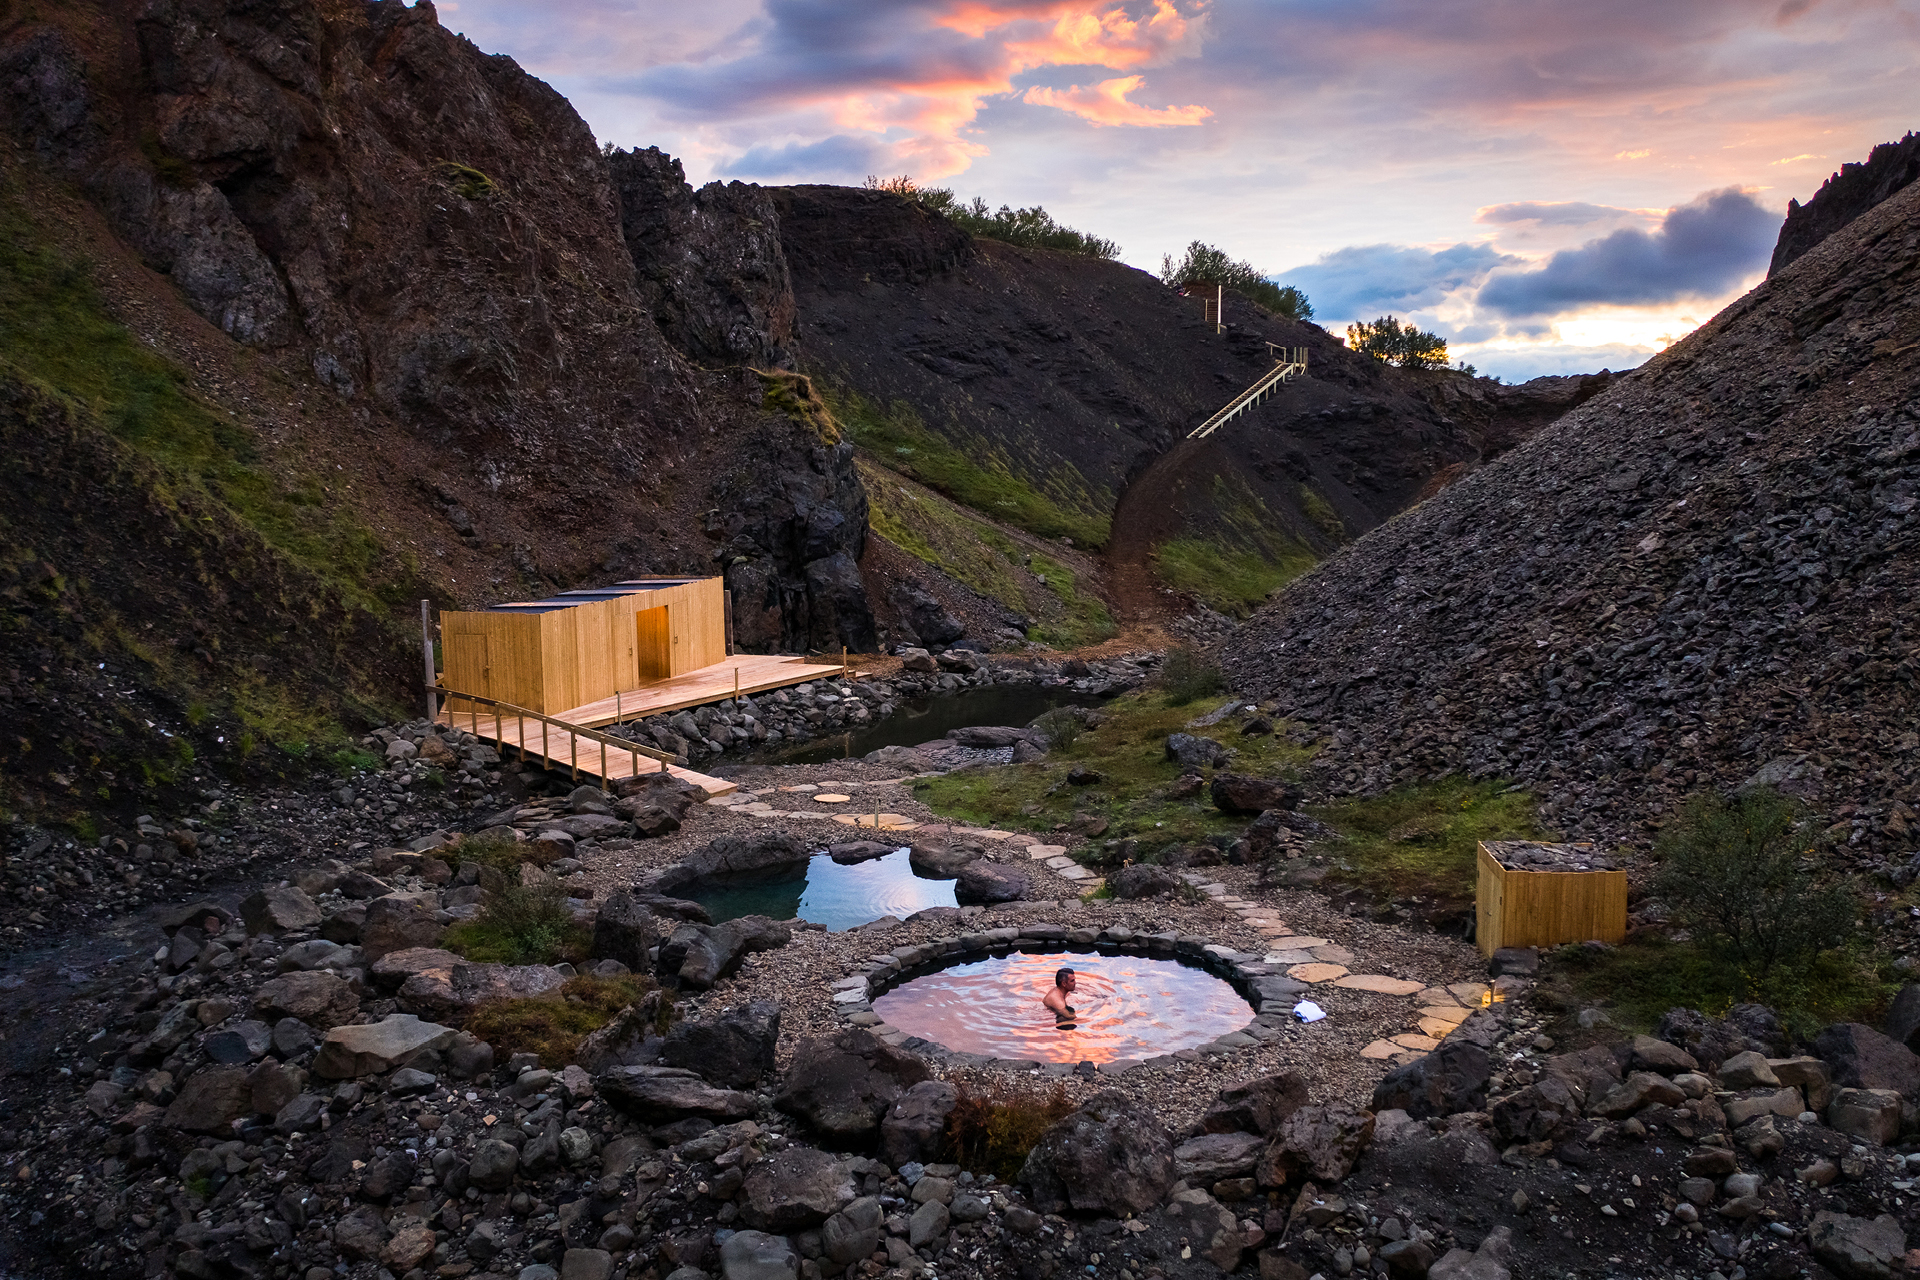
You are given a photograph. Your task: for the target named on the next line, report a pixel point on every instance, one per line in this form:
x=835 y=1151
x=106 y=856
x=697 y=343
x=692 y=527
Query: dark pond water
x=839 y=897
x=1123 y=1007
x=920 y=720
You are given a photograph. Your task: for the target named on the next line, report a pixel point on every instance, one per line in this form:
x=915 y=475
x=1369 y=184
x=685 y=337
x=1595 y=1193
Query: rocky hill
x=1702 y=575
x=337 y=312
x=1856 y=188
x=1069 y=377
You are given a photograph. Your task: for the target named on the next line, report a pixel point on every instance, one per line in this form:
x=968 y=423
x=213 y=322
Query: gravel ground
x=798 y=975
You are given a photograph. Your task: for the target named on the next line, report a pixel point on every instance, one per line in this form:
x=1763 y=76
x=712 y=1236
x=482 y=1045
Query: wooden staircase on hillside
x=1292 y=363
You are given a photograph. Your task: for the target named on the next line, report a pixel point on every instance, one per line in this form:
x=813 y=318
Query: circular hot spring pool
x=1123 y=1006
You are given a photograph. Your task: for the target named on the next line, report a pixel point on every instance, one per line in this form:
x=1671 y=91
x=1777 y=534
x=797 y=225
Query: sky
x=1555 y=186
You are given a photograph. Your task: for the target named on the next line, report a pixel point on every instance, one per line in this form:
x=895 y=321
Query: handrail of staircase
x=575 y=732
x=1292 y=363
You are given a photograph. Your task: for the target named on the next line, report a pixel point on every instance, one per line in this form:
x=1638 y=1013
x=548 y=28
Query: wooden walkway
x=748 y=672
x=569 y=741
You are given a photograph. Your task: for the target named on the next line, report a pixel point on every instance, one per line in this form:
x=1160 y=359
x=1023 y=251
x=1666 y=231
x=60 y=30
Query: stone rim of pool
x=1266 y=988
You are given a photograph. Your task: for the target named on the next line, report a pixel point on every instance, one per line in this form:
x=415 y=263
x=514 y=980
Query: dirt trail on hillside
x=1146 y=515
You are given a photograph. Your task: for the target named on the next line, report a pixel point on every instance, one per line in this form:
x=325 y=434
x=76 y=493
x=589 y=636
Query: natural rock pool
x=837 y=895
x=1124 y=1007
x=918 y=720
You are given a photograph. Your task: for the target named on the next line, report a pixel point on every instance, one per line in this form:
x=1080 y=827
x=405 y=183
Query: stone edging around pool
x=1264 y=986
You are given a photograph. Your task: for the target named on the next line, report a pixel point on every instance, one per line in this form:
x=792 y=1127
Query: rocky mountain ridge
x=1697 y=578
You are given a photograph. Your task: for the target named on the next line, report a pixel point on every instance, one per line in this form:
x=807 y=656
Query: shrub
x=1026 y=228
x=500 y=852
x=1405 y=346
x=1062 y=725
x=1204 y=264
x=993 y=1132
x=554 y=1026
x=468 y=182
x=1187 y=674
x=521 y=924
x=1736 y=874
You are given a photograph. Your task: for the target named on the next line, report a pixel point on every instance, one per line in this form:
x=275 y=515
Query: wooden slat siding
x=701 y=623
x=1547 y=908
x=512 y=655
x=759 y=673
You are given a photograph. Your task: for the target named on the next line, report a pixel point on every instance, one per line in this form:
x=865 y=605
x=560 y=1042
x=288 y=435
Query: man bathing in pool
x=1056 y=999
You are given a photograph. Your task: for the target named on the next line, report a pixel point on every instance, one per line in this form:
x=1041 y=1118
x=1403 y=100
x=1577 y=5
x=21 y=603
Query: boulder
x=914 y=658
x=632 y=1038
x=1238 y=793
x=392 y=970
x=1191 y=752
x=1861 y=1058
x=318 y=953
x=755 y=1255
x=1858 y=1249
x=319 y=999
x=1903 y=1018
x=700 y=955
x=1713 y=1040
x=984 y=883
x=1650 y=1054
x=281 y=909
x=1536 y=1112
x=1488 y=1262
x=795 y=1188
x=1518 y=962
x=660 y=1095
x=1215 y=1233
x=915 y=1127
x=1642 y=1088
x=733 y=1049
x=987 y=737
x=361 y=1234
x=1747 y=1070
x=1451 y=1079
x=1870 y=1115
x=1318 y=1142
x=493 y=1165
x=843 y=1085
x=1143 y=880
x=853 y=852
x=624 y=931
x=1205 y=1160
x=1258 y=1106
x=1112 y=1157
x=852 y=1234
x=373 y=1048
x=1787 y=1103
x=395 y=923
x=211 y=1100
x=943 y=859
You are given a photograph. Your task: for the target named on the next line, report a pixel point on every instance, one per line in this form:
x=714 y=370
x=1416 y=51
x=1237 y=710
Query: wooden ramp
x=744 y=673
x=577 y=749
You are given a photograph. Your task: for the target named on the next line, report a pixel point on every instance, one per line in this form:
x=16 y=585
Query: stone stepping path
x=1317 y=972
x=831 y=799
x=884 y=821
x=1377 y=983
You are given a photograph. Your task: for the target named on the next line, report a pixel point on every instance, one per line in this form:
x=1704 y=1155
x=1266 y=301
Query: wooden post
x=426 y=654
x=729 y=620
x=603 y=762
x=616 y=706
x=736 y=684
x=843 y=662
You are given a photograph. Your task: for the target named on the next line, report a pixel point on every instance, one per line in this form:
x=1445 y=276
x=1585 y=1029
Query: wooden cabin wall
x=496 y=655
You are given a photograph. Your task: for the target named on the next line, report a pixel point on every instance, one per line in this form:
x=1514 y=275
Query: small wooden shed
x=1533 y=895
x=580 y=646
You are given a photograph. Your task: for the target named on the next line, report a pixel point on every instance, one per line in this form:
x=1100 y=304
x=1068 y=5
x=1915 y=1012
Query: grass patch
x=348 y=761
x=978 y=475
x=1421 y=841
x=793 y=394
x=1233 y=581
x=1321 y=512
x=554 y=1026
x=1638 y=982
x=521 y=924
x=1087 y=620
x=993 y=1132
x=466 y=181
x=929 y=528
x=1128 y=747
x=502 y=853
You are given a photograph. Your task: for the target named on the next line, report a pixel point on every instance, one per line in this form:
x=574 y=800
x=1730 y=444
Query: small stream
x=919 y=720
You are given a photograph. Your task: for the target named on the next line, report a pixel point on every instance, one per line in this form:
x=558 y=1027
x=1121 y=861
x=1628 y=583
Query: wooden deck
x=757 y=673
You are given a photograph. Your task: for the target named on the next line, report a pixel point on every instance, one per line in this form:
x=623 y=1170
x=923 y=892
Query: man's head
x=1064 y=980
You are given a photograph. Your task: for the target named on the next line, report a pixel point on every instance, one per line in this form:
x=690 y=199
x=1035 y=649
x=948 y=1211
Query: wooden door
x=653 y=647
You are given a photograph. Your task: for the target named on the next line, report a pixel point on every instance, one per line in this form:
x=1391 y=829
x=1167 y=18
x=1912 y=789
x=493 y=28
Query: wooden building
x=1534 y=906
x=581 y=646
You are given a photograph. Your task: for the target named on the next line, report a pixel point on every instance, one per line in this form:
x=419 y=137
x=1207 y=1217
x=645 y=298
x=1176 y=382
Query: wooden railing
x=1292 y=362
x=503 y=711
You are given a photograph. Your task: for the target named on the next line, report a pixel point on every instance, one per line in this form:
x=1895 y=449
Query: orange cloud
x=1106 y=104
